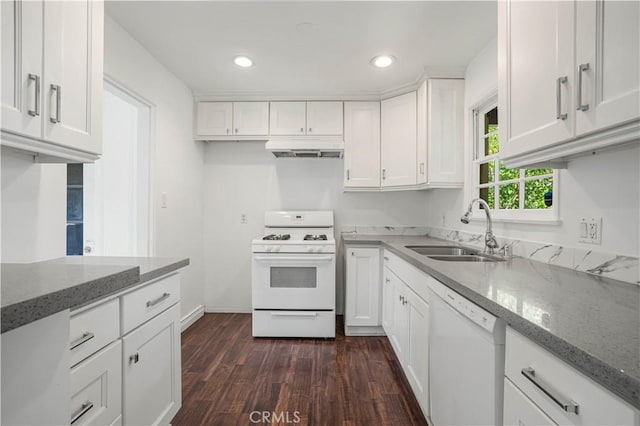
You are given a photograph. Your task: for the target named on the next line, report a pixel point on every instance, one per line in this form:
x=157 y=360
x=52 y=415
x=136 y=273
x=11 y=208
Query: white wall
x=34 y=208
x=606 y=184
x=244 y=178
x=178 y=167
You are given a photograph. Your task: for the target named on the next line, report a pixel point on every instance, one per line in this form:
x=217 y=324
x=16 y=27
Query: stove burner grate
x=310 y=237
x=277 y=237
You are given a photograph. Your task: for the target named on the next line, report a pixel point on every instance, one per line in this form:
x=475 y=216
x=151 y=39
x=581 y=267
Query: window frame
x=477 y=157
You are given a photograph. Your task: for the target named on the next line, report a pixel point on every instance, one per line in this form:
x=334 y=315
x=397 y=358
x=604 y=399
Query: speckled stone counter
x=591 y=322
x=31 y=291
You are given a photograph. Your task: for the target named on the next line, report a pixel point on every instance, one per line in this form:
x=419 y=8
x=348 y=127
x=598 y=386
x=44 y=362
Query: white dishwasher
x=466 y=355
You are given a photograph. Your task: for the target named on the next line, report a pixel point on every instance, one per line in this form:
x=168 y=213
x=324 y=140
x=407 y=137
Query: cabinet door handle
x=566 y=404
x=348 y=176
x=387 y=280
x=162 y=298
x=385 y=258
x=384 y=174
x=134 y=358
x=236 y=130
x=581 y=69
x=309 y=129
x=56 y=88
x=35 y=112
x=421 y=168
x=559 y=82
x=81 y=340
x=84 y=409
x=301 y=129
x=227 y=131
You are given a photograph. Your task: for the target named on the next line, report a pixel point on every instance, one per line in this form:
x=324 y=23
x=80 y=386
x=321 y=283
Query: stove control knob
x=310 y=249
x=276 y=248
x=269 y=249
x=319 y=249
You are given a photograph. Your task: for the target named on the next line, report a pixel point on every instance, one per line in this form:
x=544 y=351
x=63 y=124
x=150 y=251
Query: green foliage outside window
x=509 y=194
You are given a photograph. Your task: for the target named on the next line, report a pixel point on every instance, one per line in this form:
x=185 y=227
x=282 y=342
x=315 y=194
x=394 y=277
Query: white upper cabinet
x=324 y=118
x=319 y=118
x=398 y=140
x=250 y=118
x=362 y=144
x=440 y=161
x=288 y=118
x=608 y=64
x=22 y=67
x=214 y=118
x=568 y=76
x=73 y=55
x=535 y=68
x=52 y=61
x=232 y=119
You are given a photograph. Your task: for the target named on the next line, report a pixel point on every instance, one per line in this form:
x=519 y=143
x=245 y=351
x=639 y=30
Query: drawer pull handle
x=566 y=404
x=385 y=258
x=82 y=339
x=134 y=358
x=84 y=409
x=162 y=298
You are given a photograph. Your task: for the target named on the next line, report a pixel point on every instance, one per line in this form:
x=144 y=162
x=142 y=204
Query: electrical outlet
x=595 y=230
x=590 y=231
x=243 y=218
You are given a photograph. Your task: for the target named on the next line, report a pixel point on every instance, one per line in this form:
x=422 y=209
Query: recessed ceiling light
x=383 y=61
x=243 y=61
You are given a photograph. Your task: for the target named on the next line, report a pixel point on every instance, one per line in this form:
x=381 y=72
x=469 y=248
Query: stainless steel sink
x=442 y=250
x=468 y=258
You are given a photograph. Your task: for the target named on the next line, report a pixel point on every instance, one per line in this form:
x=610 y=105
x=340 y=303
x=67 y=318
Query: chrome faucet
x=490 y=243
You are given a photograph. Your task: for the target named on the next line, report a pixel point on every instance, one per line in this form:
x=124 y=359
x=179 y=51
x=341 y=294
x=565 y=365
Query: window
x=518 y=194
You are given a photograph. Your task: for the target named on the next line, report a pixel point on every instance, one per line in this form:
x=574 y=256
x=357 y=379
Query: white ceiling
x=197 y=41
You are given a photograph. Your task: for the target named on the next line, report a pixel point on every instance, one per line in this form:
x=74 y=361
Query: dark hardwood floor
x=229 y=378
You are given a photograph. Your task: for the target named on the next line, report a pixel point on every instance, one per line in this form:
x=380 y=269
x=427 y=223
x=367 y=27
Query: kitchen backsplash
x=623 y=268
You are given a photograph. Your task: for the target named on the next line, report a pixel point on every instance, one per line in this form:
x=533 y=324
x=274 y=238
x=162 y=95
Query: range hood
x=302 y=147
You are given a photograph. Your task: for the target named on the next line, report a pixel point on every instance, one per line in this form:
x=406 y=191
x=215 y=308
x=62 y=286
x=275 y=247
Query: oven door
x=293 y=281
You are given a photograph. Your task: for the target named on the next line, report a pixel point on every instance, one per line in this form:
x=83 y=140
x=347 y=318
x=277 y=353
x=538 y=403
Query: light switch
x=583 y=229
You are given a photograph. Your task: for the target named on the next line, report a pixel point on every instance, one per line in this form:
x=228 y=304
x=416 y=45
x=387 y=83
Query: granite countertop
x=31 y=291
x=591 y=322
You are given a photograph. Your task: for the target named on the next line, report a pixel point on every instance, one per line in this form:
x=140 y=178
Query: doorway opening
x=109 y=202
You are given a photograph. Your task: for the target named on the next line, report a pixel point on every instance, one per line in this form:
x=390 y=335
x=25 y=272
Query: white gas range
x=293 y=275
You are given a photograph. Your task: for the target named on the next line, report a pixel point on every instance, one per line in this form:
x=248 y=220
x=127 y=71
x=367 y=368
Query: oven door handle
x=294 y=314
x=305 y=258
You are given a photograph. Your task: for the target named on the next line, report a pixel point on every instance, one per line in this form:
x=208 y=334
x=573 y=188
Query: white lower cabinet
x=387 y=300
x=151 y=370
x=35 y=372
x=406 y=320
x=362 y=301
x=96 y=388
x=519 y=410
x=549 y=384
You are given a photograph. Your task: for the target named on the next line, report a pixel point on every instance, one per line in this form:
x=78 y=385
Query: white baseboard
x=228 y=309
x=191 y=317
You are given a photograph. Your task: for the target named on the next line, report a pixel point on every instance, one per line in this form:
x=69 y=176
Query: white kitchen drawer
x=412 y=276
x=520 y=411
x=294 y=323
x=143 y=304
x=596 y=405
x=96 y=388
x=93 y=329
